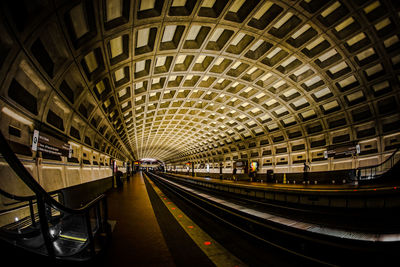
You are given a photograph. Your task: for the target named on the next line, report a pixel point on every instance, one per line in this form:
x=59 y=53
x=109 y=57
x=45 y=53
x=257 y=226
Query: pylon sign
x=45 y=143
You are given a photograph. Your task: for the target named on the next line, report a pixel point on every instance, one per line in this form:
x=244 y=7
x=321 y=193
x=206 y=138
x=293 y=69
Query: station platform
x=333 y=227
x=150 y=231
x=348 y=195
x=307 y=187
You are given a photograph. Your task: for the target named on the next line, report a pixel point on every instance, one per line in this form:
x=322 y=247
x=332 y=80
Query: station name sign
x=49 y=144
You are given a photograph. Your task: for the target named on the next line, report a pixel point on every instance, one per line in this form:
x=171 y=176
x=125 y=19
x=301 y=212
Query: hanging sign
x=48 y=144
x=342 y=151
x=240 y=163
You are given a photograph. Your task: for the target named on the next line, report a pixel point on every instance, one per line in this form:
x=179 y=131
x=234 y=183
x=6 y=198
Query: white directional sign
x=35 y=140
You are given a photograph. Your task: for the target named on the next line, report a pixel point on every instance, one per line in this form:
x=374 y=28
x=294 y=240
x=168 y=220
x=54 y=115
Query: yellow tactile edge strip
x=214 y=251
x=74 y=238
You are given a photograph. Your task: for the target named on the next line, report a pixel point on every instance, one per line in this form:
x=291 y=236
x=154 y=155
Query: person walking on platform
x=234 y=174
x=119 y=179
x=305 y=173
x=128 y=173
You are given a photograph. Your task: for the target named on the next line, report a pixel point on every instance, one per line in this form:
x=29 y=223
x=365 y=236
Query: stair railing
x=375 y=171
x=45 y=202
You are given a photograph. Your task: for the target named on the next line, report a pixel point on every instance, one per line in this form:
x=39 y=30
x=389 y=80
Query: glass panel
x=67 y=232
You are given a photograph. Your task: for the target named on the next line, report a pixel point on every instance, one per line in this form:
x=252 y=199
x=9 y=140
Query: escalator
x=36 y=222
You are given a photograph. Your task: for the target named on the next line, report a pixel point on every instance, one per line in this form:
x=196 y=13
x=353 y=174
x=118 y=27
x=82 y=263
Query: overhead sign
x=49 y=144
x=342 y=151
x=240 y=163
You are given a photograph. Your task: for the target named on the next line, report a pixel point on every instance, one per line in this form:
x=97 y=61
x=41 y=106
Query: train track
x=350 y=219
x=309 y=248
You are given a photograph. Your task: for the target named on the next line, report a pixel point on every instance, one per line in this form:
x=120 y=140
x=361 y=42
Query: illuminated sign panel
x=253 y=166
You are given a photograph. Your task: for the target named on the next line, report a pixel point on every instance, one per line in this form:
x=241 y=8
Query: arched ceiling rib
x=177 y=77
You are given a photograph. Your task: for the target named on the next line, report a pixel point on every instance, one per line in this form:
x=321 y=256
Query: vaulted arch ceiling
x=173 y=78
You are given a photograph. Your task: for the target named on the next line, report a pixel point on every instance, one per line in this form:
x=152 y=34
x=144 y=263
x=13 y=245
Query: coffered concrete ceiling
x=187 y=80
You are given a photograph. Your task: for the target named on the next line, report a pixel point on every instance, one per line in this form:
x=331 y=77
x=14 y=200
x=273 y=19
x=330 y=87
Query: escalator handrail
x=380 y=164
x=27 y=178
x=15 y=197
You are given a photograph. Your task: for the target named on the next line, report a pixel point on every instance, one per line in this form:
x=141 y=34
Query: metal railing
x=376 y=171
x=41 y=224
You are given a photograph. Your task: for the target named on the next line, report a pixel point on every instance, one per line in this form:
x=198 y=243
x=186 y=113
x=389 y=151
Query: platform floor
x=146 y=233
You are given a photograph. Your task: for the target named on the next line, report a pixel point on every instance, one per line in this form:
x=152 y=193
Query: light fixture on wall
x=16 y=116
